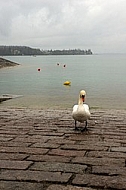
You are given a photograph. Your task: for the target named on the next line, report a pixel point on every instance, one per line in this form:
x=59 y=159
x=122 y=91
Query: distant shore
x=6 y=63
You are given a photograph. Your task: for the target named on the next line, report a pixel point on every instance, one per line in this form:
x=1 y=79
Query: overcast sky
x=99 y=25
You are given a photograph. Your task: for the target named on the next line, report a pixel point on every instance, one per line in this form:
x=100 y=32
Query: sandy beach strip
x=39 y=149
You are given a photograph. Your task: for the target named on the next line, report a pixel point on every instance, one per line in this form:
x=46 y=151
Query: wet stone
x=39 y=149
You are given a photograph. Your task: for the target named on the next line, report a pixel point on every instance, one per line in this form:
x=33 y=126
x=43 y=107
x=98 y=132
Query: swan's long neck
x=80 y=101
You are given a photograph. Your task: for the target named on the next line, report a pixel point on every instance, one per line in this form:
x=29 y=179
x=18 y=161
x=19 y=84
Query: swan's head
x=82 y=95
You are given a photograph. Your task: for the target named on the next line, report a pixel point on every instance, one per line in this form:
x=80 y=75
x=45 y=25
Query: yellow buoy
x=67 y=83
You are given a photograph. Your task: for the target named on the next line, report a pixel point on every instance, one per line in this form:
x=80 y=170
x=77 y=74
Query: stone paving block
x=83 y=147
x=10 y=143
x=67 y=153
x=77 y=137
x=68 y=187
x=49 y=158
x=26 y=150
x=36 y=176
x=46 y=133
x=121 y=141
x=118 y=149
x=13 y=132
x=8 y=135
x=100 y=161
x=113 y=170
x=117 y=182
x=109 y=133
x=45 y=145
x=61 y=141
x=59 y=167
x=105 y=154
x=12 y=156
x=30 y=139
x=15 y=127
x=90 y=180
x=14 y=185
x=102 y=144
x=5 y=139
x=14 y=164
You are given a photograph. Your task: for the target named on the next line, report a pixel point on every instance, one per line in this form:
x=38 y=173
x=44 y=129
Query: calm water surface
x=102 y=76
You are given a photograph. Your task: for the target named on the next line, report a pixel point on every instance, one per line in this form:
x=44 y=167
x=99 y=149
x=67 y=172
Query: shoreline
x=61 y=109
x=52 y=107
x=12 y=102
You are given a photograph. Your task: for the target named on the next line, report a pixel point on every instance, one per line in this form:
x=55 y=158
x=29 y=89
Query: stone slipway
x=40 y=150
x=5 y=97
x=6 y=63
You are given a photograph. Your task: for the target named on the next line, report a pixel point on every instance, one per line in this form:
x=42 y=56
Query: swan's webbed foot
x=76 y=129
x=84 y=129
x=80 y=128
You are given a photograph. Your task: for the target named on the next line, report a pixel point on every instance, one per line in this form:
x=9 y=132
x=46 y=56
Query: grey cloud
x=99 y=25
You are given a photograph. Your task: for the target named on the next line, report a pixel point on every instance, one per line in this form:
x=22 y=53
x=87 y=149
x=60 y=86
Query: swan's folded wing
x=86 y=107
x=75 y=108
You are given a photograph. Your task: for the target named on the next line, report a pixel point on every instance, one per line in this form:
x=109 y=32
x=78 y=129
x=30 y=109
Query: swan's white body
x=81 y=111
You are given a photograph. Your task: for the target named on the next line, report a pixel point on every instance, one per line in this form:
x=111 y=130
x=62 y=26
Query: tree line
x=24 y=50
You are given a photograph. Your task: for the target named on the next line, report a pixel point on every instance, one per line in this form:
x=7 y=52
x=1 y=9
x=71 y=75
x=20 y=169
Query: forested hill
x=18 y=50
x=24 y=50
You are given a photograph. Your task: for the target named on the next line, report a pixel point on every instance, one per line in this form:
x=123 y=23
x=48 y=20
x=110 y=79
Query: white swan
x=81 y=111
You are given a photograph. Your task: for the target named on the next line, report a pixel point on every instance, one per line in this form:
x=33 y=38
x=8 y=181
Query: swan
x=81 y=111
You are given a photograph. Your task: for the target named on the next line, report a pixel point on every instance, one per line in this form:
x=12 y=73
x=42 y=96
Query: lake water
x=102 y=76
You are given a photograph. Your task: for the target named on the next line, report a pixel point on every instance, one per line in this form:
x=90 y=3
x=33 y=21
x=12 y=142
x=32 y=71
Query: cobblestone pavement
x=39 y=150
